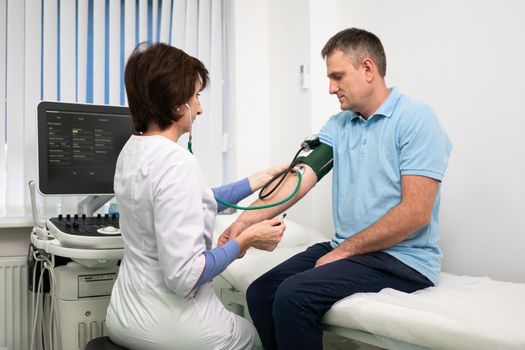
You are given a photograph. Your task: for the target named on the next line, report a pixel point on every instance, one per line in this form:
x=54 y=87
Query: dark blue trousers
x=288 y=302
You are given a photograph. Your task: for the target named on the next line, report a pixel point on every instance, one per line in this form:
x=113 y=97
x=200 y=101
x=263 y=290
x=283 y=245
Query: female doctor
x=162 y=298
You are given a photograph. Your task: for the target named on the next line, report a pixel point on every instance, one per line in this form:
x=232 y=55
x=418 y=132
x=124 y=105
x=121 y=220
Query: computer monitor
x=78 y=146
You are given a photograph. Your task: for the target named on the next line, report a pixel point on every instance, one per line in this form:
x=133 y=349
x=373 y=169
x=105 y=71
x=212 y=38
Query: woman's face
x=192 y=108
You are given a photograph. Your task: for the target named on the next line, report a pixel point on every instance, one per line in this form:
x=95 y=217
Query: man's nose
x=333 y=88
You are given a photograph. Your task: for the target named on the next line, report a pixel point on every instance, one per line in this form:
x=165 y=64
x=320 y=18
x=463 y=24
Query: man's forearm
x=309 y=180
x=258 y=179
x=412 y=213
x=392 y=228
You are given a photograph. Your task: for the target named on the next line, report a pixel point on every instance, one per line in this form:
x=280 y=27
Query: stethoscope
x=190 y=136
x=281 y=175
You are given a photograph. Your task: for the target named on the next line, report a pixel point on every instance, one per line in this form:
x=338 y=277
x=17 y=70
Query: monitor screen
x=78 y=146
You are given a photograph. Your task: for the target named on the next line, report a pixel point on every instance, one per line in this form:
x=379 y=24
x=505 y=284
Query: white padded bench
x=461 y=312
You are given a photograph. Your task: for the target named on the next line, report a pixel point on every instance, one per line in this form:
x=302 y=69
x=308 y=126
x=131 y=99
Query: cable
x=40 y=286
x=51 y=307
x=33 y=301
x=48 y=265
x=44 y=263
x=54 y=307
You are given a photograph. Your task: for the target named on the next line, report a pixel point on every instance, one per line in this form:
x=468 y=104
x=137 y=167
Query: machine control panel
x=87 y=225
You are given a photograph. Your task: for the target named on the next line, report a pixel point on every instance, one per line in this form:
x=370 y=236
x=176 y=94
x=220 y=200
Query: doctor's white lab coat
x=166 y=218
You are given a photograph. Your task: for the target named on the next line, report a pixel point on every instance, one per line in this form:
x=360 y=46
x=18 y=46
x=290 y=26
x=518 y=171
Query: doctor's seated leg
x=102 y=343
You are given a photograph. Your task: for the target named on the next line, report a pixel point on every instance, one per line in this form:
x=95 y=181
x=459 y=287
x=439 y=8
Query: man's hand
x=334 y=255
x=231 y=232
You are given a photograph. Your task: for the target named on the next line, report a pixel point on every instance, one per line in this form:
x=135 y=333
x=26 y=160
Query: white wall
x=249 y=122
x=272 y=114
x=465 y=58
x=290 y=116
x=322 y=104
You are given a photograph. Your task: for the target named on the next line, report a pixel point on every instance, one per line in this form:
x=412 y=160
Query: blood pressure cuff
x=321 y=160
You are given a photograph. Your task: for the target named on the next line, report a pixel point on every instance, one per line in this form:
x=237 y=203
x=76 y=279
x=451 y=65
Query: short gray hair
x=359 y=44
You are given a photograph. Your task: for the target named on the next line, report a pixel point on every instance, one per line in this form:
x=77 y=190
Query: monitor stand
x=91 y=204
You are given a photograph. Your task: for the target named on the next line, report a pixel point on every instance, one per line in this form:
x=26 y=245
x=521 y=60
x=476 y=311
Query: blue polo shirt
x=403 y=137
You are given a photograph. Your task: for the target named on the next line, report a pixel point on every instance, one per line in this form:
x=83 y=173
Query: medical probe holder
x=39 y=226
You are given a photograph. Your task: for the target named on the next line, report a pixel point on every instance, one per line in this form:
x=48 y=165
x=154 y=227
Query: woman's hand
x=264 y=235
x=232 y=231
x=260 y=178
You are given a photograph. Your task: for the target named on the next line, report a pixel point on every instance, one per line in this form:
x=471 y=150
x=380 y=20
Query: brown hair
x=158 y=78
x=359 y=44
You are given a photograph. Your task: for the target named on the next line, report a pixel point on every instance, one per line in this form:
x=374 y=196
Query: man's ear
x=369 y=68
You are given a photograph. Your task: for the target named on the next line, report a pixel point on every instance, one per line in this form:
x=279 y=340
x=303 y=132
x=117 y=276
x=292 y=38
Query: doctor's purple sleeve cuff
x=232 y=193
x=217 y=260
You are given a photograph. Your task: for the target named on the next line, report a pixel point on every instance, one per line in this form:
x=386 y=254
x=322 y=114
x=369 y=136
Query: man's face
x=346 y=82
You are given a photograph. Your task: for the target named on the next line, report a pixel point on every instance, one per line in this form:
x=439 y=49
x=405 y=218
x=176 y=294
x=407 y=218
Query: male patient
x=389 y=157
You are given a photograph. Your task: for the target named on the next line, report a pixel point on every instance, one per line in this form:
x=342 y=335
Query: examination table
x=461 y=312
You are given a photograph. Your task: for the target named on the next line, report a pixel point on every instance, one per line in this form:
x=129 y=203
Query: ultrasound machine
x=73 y=257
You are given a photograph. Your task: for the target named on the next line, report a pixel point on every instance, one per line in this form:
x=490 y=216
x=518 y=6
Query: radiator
x=14 y=304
